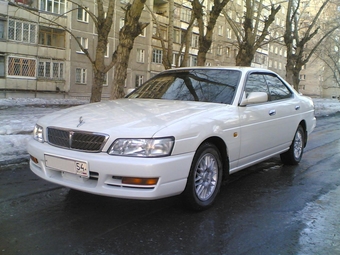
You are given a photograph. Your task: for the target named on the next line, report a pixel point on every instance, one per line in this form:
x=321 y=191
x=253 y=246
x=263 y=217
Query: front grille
x=76 y=140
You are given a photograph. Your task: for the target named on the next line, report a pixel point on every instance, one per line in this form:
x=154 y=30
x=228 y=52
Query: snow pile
x=18 y=117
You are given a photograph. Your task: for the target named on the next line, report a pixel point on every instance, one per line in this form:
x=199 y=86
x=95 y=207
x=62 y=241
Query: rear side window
x=277 y=89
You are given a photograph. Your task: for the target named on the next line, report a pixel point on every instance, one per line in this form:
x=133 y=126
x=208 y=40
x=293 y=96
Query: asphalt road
x=266 y=209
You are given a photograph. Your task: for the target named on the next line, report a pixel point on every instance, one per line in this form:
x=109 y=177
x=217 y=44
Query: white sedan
x=182 y=132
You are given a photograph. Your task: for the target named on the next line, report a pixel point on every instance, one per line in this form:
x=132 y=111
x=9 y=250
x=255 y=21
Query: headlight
x=157 y=147
x=38 y=133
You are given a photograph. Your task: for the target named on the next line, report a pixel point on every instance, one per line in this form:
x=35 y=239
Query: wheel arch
x=222 y=147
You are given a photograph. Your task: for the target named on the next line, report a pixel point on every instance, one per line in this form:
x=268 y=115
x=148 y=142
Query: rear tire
x=205 y=178
x=294 y=154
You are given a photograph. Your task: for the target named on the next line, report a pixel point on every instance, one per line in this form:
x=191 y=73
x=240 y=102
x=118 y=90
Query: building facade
x=40 y=59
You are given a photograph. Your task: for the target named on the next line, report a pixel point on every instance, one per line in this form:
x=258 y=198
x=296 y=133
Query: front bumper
x=106 y=172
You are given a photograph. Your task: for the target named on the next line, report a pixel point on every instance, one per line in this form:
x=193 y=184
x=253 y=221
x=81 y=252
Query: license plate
x=67 y=165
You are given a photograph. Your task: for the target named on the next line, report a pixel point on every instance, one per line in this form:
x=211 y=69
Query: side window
x=278 y=90
x=256 y=83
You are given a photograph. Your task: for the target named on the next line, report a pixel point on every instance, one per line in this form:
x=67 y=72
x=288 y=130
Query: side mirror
x=254 y=98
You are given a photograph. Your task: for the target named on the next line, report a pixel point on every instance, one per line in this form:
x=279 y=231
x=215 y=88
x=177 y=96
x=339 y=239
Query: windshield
x=204 y=85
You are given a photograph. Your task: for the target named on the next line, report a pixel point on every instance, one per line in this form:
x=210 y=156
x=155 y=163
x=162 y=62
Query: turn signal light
x=139 y=181
x=35 y=160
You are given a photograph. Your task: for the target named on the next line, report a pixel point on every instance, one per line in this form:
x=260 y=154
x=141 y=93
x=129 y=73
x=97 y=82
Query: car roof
x=240 y=68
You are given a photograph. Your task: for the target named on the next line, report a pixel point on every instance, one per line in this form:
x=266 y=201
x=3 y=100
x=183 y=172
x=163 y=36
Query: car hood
x=127 y=117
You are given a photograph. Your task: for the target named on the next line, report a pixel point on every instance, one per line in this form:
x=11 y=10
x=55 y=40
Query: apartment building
x=39 y=59
x=320 y=76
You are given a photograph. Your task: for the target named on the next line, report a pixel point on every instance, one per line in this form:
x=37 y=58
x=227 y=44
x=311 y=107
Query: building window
x=106 y=80
x=193 y=61
x=2 y=29
x=139 y=80
x=302 y=77
x=177 y=36
x=83 y=14
x=195 y=40
x=121 y=23
x=2 y=66
x=219 y=50
x=186 y=15
x=54 y=6
x=159 y=32
x=227 y=52
x=51 y=69
x=52 y=37
x=23 y=67
x=270 y=63
x=140 y=55
x=228 y=33
x=25 y=2
x=81 y=75
x=22 y=31
x=84 y=43
x=107 y=52
x=157 y=56
x=220 y=30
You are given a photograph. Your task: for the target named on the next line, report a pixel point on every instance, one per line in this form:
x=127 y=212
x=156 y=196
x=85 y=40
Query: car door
x=264 y=127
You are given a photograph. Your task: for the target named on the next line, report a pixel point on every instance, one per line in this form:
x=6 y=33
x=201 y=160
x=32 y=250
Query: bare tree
x=168 y=45
x=329 y=53
x=298 y=33
x=131 y=29
x=251 y=35
x=103 y=20
x=206 y=30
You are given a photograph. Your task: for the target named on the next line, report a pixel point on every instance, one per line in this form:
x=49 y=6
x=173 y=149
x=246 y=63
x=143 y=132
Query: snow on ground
x=19 y=115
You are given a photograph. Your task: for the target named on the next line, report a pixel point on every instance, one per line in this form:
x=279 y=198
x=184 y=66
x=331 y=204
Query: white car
x=183 y=131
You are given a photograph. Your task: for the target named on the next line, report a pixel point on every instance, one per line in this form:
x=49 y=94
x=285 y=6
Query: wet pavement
x=265 y=209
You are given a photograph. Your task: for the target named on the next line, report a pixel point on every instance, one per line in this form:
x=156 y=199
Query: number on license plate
x=81 y=169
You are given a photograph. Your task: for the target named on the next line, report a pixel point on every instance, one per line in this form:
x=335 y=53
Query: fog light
x=139 y=181
x=35 y=160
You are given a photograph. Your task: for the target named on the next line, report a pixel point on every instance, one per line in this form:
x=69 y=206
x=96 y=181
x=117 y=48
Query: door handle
x=272 y=112
x=297 y=107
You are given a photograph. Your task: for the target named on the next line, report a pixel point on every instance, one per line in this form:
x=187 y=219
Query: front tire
x=205 y=178
x=294 y=154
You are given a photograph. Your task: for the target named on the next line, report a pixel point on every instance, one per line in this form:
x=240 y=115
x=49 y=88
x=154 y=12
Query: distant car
x=183 y=131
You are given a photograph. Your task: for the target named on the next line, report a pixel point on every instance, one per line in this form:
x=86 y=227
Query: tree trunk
x=131 y=29
x=245 y=55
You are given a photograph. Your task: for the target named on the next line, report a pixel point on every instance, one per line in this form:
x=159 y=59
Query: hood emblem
x=81 y=121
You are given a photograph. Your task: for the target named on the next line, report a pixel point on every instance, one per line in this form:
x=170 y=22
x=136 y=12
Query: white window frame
x=21 y=31
x=53 y=6
x=193 y=60
x=157 y=56
x=51 y=69
x=139 y=80
x=81 y=75
x=83 y=13
x=195 y=41
x=185 y=14
x=84 y=42
x=107 y=52
x=219 y=51
x=140 y=58
x=228 y=33
x=106 y=80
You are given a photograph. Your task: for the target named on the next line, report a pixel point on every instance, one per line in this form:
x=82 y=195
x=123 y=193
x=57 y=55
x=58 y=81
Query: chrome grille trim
x=76 y=139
